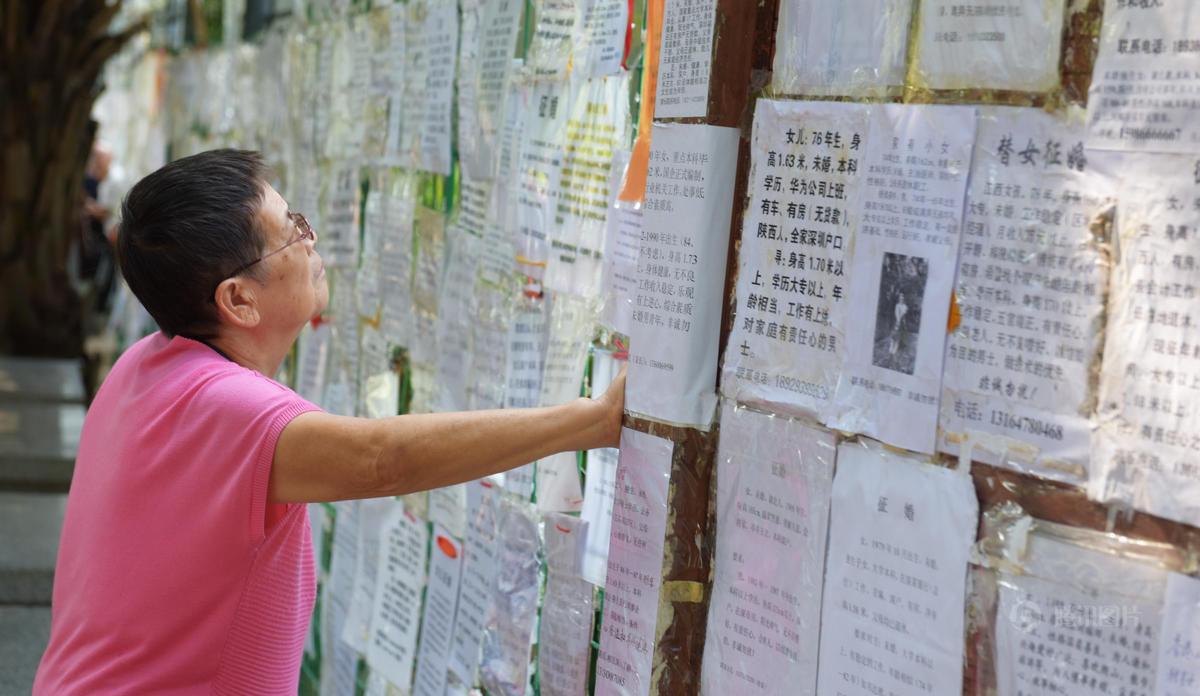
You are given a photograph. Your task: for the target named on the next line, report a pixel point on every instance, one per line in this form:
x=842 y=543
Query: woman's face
x=295 y=289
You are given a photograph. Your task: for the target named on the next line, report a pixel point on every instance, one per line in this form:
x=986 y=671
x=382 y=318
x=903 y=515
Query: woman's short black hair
x=184 y=229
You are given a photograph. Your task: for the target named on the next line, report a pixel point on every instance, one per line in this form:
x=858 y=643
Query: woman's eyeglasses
x=305 y=230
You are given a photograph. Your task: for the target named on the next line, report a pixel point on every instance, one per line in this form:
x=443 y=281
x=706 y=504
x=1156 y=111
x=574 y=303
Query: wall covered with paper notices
x=913 y=370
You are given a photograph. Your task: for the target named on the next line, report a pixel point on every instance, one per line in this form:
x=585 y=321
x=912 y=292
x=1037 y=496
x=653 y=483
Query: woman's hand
x=612 y=402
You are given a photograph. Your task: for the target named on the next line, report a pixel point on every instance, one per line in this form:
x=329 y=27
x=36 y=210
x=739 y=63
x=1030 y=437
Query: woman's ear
x=237 y=303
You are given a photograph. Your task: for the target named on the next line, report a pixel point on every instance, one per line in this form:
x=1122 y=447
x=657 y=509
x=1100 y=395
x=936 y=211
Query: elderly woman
x=186 y=565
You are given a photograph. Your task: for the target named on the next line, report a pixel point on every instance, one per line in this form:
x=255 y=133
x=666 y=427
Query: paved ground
x=40 y=416
x=24 y=631
x=31 y=524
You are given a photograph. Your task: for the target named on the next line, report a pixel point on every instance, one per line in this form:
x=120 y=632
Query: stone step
x=24 y=633
x=38 y=443
x=41 y=379
x=41 y=417
x=32 y=523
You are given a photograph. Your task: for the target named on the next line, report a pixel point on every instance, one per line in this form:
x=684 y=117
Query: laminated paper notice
x=335 y=658
x=396 y=262
x=474 y=196
x=774 y=481
x=397 y=60
x=1146 y=448
x=343 y=135
x=507 y=187
x=380 y=393
x=489 y=33
x=1002 y=44
x=685 y=239
x=600 y=40
x=499 y=36
x=414 y=103
x=508 y=632
x=320 y=93
x=314 y=361
x=431 y=250
x=448 y=507
x=437 y=621
x=599 y=121
x=1032 y=284
x=466 y=83
x=600 y=483
x=424 y=389
x=354 y=97
x=1179 y=647
x=479 y=569
x=344 y=346
x=618 y=284
x=635 y=558
x=491 y=312
x=496 y=263
x=396 y=614
x=339 y=660
x=344 y=557
x=527 y=339
x=547 y=110
x=1078 y=622
x=571 y=327
x=558 y=486
x=601 y=488
x=441 y=44
x=374 y=367
x=551 y=46
x=854 y=48
x=905 y=253
x=453 y=323
x=528 y=335
x=788 y=341
x=371 y=514
x=338 y=399
x=895 y=586
x=381 y=73
x=320 y=521
x=1143 y=86
x=370 y=272
x=565 y=643
x=339 y=231
x=376 y=685
x=685 y=59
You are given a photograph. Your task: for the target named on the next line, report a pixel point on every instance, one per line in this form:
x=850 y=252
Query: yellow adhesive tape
x=683 y=591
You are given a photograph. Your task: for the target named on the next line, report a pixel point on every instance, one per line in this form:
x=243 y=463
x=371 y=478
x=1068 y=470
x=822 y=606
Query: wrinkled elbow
x=384 y=473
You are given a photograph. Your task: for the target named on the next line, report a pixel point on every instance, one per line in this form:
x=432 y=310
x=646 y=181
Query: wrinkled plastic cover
x=774 y=481
x=566 y=622
x=853 y=48
x=1065 y=610
x=635 y=559
x=508 y=632
x=1014 y=46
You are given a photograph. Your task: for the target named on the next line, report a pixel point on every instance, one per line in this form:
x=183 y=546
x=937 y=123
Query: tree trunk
x=51 y=55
